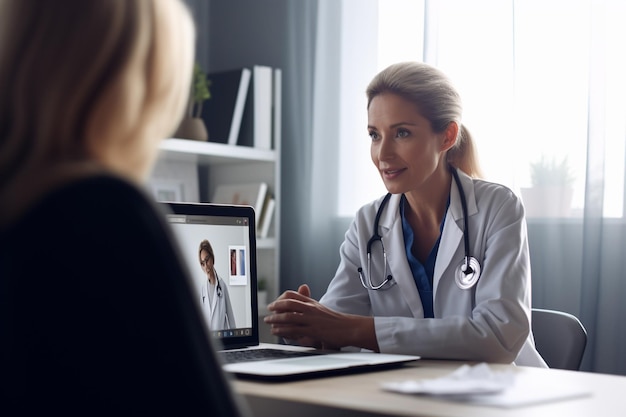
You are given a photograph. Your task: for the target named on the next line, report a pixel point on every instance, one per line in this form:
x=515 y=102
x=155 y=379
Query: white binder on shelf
x=277 y=108
x=256 y=129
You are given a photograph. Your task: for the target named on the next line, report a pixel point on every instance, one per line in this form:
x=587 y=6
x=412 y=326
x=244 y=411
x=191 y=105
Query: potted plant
x=192 y=126
x=552 y=188
x=551 y=173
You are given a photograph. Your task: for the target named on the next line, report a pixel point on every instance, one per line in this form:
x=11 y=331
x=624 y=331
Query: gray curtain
x=309 y=248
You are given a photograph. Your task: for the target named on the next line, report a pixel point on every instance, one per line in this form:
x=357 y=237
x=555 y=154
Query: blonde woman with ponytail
x=453 y=279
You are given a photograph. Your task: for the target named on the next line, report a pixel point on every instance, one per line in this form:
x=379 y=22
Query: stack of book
x=256 y=195
x=245 y=106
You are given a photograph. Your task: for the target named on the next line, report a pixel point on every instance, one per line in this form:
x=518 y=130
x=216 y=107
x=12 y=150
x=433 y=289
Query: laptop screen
x=218 y=244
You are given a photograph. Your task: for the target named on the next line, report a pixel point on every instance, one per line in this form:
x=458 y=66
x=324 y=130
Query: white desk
x=360 y=395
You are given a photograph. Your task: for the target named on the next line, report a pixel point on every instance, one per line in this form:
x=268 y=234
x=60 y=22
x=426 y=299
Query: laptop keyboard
x=236 y=356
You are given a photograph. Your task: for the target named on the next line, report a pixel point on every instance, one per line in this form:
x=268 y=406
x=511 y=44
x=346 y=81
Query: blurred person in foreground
x=97 y=315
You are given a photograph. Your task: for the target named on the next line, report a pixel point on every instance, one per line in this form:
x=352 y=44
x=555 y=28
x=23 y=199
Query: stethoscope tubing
x=466 y=242
x=376 y=237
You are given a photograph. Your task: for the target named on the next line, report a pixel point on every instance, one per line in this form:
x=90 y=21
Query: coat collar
x=391 y=213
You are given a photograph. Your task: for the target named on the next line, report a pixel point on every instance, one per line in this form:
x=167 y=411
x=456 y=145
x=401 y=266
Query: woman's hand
x=298 y=316
x=302 y=341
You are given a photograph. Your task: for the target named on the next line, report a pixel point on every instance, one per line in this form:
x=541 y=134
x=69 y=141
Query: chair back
x=560 y=338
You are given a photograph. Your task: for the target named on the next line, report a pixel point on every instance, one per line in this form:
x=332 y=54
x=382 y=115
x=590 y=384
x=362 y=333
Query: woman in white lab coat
x=215 y=298
x=420 y=301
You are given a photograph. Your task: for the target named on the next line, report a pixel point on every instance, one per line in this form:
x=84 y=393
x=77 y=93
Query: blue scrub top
x=422 y=274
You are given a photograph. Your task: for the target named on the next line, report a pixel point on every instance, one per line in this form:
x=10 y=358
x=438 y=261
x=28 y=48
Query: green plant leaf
x=200 y=91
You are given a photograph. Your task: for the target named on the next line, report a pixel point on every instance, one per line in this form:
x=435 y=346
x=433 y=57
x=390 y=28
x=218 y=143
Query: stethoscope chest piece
x=467 y=279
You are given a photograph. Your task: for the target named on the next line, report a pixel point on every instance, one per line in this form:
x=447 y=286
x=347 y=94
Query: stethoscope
x=218 y=290
x=466 y=276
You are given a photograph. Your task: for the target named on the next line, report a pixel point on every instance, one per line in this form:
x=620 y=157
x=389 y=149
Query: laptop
x=231 y=232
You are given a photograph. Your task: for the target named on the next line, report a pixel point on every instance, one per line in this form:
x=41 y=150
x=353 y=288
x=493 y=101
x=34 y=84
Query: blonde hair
x=436 y=99
x=79 y=78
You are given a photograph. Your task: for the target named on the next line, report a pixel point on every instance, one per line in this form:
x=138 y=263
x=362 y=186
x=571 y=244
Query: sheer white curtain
x=533 y=75
x=542 y=80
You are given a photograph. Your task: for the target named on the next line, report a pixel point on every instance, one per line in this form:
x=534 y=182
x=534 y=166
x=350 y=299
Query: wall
x=248 y=32
x=241 y=33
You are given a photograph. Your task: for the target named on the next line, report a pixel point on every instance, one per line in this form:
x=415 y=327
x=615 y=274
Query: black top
x=96 y=311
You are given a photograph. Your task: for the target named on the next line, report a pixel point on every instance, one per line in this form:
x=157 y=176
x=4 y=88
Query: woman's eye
x=402 y=133
x=373 y=135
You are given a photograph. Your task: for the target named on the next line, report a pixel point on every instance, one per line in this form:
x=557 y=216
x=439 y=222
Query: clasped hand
x=297 y=316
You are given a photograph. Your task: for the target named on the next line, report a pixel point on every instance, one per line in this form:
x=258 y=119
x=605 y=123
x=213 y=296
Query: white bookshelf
x=210 y=153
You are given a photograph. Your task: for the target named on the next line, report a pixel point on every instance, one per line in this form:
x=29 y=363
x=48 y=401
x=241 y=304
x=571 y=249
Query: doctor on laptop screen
x=216 y=250
x=215 y=297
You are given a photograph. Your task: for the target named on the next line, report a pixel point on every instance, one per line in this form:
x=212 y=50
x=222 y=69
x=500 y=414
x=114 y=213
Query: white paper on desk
x=466 y=380
x=480 y=385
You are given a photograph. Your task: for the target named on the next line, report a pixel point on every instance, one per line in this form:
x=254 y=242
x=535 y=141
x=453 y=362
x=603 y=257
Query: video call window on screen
x=217 y=251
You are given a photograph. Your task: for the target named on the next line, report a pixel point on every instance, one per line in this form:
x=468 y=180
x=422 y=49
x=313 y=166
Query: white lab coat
x=489 y=322
x=219 y=314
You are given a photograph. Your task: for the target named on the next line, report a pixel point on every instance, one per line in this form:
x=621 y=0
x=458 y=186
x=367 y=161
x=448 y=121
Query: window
x=539 y=79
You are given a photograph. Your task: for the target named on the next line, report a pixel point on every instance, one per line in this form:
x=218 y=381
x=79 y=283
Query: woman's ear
x=449 y=136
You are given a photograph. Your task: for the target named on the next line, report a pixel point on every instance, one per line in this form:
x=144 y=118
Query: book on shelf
x=267 y=215
x=277 y=105
x=256 y=126
x=223 y=112
x=249 y=194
